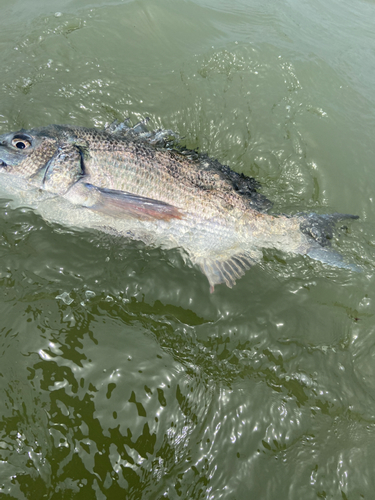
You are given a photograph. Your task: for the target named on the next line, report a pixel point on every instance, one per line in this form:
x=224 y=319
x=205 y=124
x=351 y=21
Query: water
x=121 y=376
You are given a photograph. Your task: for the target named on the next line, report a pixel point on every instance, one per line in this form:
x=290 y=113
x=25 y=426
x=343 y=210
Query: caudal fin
x=321 y=228
x=331 y=257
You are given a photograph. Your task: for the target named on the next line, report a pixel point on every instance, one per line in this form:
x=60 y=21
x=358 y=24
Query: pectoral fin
x=121 y=204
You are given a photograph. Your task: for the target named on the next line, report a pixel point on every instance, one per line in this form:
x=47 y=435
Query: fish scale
x=143 y=185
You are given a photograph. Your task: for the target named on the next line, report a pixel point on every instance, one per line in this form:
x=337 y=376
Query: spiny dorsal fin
x=140 y=133
x=207 y=172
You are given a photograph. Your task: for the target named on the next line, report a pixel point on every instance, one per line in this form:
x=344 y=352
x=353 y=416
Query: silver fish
x=142 y=185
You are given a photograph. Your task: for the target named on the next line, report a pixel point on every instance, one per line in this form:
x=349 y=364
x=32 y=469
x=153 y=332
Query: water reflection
x=117 y=394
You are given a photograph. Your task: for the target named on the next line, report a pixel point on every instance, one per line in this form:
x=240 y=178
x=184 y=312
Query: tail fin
x=331 y=257
x=321 y=228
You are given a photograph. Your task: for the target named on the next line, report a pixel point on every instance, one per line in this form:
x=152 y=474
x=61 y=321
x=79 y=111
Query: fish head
x=25 y=153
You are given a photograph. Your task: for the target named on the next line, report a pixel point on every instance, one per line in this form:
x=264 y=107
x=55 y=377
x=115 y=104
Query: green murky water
x=121 y=376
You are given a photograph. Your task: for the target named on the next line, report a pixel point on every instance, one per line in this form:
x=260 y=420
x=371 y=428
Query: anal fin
x=227 y=270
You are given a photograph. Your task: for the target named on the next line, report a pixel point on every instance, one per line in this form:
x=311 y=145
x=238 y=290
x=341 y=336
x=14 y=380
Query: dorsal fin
x=209 y=173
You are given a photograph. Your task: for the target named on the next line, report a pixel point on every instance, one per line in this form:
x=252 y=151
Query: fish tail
x=331 y=257
x=321 y=229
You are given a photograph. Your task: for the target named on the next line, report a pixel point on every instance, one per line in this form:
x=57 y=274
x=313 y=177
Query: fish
x=144 y=185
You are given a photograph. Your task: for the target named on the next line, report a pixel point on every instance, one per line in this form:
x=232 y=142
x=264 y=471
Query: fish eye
x=20 y=142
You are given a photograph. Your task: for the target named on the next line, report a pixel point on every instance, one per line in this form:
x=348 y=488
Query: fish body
x=141 y=185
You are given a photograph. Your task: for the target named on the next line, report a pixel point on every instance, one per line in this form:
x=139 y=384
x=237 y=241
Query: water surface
x=121 y=376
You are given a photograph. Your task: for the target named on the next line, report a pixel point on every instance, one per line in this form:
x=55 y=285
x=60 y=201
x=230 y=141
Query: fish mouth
x=3 y=164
